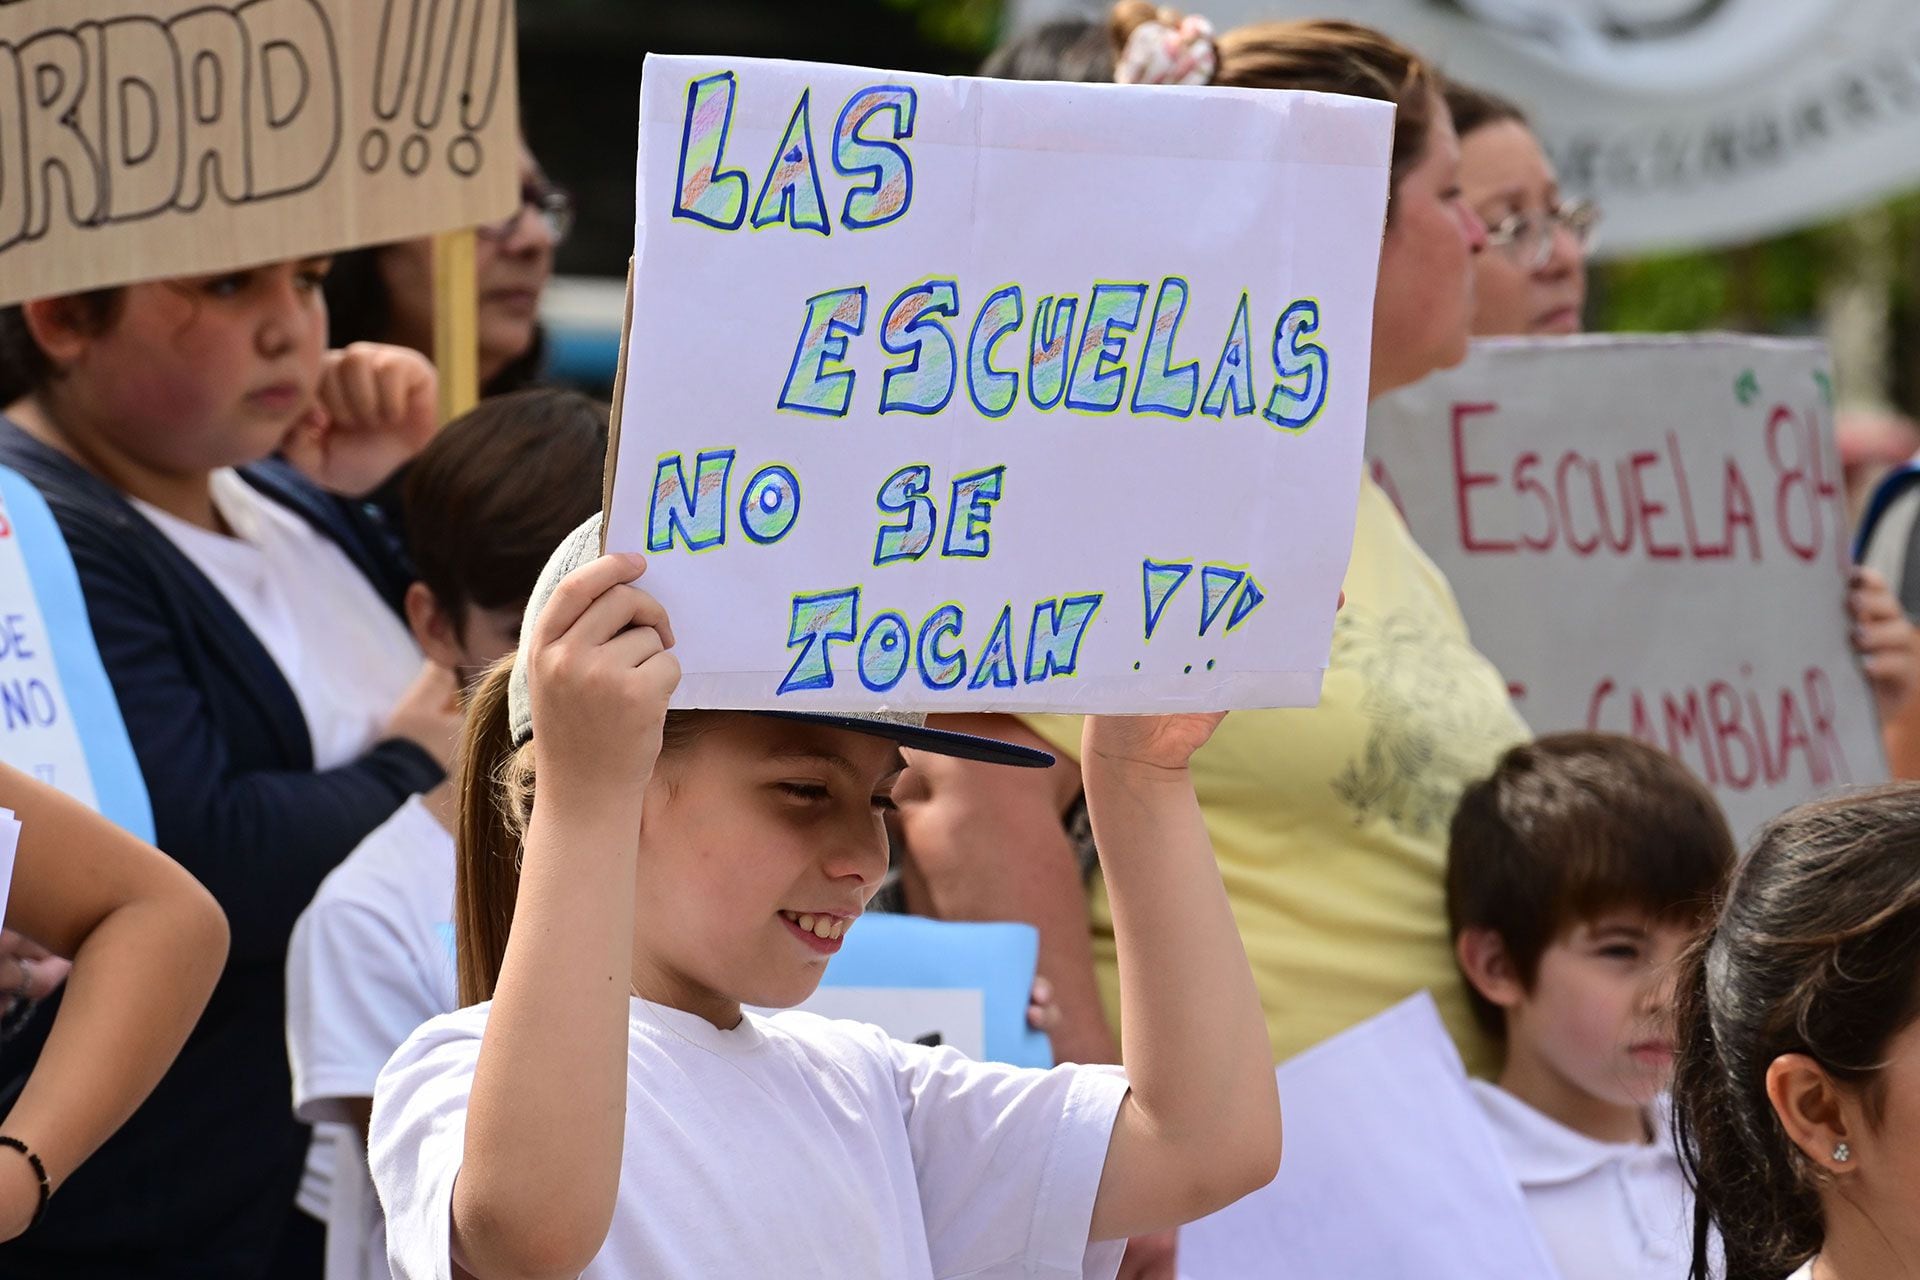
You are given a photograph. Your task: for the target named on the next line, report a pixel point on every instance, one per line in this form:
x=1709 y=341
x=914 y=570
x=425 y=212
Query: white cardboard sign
x=1391 y=1171
x=1649 y=536
x=944 y=393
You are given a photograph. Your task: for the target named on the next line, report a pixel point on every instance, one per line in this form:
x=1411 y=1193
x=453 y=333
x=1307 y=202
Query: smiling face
x=1505 y=174
x=1592 y=1033
x=762 y=842
x=202 y=372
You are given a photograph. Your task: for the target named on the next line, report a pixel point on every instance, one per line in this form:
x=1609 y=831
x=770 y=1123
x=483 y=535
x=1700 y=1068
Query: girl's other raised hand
x=599 y=674
x=1154 y=742
x=376 y=407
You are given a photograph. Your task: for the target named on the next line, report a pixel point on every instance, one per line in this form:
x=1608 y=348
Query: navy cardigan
x=200 y=1180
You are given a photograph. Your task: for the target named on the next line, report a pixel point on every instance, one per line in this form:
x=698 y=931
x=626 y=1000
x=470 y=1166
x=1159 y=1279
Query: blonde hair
x=494 y=786
x=1325 y=55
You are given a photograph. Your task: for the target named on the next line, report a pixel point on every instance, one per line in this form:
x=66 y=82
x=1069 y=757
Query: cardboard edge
x=613 y=413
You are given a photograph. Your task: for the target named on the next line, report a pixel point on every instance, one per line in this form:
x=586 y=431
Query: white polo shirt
x=788 y=1146
x=370 y=960
x=1607 y=1210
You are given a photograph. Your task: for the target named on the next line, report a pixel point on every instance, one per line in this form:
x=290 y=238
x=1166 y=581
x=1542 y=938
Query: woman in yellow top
x=1330 y=823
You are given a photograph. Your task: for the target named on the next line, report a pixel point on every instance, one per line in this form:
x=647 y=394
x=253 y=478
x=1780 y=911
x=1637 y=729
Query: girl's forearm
x=140 y=980
x=1201 y=1125
x=547 y=1115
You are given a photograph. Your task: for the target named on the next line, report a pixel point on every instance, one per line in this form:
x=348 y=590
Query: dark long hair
x=1814 y=951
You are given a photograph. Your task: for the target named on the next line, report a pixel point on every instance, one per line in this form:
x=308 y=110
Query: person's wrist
x=24 y=1189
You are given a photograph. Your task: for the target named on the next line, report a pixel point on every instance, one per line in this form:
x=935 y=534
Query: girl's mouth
x=820 y=932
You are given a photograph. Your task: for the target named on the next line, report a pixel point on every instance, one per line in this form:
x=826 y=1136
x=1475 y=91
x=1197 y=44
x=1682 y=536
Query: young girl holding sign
x=248 y=619
x=630 y=878
x=1797 y=1089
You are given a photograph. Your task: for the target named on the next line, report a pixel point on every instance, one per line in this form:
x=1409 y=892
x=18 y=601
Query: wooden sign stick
x=456 y=323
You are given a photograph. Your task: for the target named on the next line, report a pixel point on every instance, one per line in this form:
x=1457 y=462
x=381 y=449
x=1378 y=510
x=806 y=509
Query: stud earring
x=1842 y=1153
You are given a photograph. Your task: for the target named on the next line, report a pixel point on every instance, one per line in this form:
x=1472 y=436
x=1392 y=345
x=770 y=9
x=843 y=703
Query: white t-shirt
x=788 y=1146
x=344 y=653
x=370 y=960
x=1607 y=1210
x=1804 y=1273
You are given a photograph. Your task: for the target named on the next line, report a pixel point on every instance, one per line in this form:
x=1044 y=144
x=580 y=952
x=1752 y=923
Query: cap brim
x=965 y=746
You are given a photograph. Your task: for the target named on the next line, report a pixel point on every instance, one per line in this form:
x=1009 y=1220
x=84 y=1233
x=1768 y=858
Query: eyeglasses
x=1527 y=238
x=552 y=205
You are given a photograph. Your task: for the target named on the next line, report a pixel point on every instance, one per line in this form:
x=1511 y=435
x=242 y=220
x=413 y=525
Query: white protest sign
x=955 y=394
x=1391 y=1171
x=1692 y=122
x=149 y=138
x=1649 y=536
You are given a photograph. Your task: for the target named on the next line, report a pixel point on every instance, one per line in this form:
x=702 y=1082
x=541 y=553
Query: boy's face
x=756 y=829
x=1599 y=1012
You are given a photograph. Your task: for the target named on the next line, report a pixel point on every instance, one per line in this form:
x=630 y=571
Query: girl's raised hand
x=1158 y=742
x=599 y=676
x=377 y=405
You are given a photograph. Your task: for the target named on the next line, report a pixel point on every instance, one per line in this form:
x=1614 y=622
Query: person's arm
x=260 y=840
x=147 y=945
x=1200 y=1126
x=546 y=1116
x=987 y=843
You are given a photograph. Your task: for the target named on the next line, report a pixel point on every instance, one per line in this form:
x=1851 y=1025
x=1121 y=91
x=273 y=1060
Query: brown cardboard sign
x=142 y=139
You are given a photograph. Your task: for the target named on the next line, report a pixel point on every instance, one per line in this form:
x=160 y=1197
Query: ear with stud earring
x=1842 y=1153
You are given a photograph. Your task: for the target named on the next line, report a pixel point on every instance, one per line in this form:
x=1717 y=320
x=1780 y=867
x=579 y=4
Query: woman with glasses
x=385 y=293
x=1532 y=280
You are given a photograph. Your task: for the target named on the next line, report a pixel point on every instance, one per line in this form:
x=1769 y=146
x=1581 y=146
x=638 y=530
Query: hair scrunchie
x=1159 y=54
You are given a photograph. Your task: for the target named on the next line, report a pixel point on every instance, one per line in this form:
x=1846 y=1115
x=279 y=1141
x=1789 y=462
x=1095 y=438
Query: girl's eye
x=312 y=280
x=1621 y=951
x=809 y=791
x=885 y=804
x=227 y=286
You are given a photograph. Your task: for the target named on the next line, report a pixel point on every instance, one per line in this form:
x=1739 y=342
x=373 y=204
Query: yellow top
x=1330 y=823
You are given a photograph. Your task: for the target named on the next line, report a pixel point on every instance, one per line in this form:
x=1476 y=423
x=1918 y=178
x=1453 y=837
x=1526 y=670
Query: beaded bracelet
x=39 y=1171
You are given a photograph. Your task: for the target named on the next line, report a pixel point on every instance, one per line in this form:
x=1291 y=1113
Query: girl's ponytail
x=495 y=792
x=1813 y=952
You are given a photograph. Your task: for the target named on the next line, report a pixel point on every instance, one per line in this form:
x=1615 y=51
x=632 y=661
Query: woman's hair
x=1476 y=108
x=1321 y=54
x=360 y=309
x=494 y=785
x=1814 y=951
x=24 y=367
x=1072 y=49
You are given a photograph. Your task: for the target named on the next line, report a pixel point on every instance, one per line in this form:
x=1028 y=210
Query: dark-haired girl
x=1797 y=1096
x=193 y=438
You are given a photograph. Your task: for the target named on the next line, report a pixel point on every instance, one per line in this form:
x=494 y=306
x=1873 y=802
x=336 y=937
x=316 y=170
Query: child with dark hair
x=206 y=458
x=1576 y=875
x=1797 y=1093
x=1071 y=49
x=373 y=957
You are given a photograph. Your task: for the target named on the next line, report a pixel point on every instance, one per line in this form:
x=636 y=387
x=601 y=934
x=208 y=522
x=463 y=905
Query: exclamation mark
x=434 y=49
x=392 y=69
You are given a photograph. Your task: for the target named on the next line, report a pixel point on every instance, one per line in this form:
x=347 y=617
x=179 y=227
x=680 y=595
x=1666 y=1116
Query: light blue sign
x=59 y=720
x=886 y=952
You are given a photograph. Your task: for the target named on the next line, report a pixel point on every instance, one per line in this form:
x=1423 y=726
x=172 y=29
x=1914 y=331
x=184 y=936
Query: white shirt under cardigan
x=788 y=1146
x=1606 y=1210
x=347 y=657
x=371 y=959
